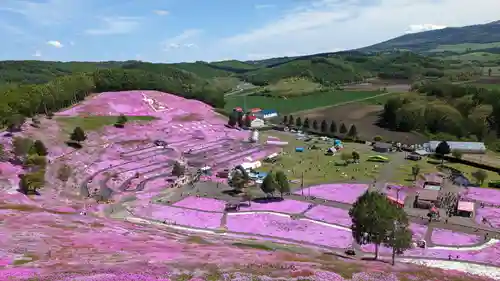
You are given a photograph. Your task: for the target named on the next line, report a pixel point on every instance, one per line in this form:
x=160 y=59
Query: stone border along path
x=139 y=219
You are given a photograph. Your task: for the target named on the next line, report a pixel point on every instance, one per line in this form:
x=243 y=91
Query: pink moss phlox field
x=181 y=217
x=342 y=192
x=285 y=206
x=488 y=255
x=451 y=238
x=284 y=227
x=330 y=215
x=486 y=195
x=418 y=230
x=492 y=216
x=203 y=204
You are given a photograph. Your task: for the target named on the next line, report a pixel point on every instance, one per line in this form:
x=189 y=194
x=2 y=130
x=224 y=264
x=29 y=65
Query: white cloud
x=55 y=43
x=182 y=40
x=115 y=25
x=413 y=28
x=37 y=54
x=161 y=12
x=323 y=25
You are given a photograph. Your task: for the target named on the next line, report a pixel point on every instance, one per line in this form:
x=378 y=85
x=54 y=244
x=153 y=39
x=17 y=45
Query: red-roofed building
x=255 y=110
x=238 y=109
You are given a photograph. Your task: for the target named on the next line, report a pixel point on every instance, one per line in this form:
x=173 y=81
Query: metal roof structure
x=466 y=206
x=457 y=145
x=428 y=195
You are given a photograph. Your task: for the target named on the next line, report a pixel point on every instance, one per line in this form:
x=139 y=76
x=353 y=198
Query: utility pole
x=395 y=225
x=302 y=184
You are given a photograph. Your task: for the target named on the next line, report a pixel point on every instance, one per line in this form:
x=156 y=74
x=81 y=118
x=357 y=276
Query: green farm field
x=289 y=105
x=465 y=46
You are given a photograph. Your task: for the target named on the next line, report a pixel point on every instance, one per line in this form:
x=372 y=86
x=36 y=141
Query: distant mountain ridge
x=430 y=41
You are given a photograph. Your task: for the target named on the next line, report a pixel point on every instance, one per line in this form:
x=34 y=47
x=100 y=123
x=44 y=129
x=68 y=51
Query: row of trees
x=458 y=111
x=322 y=126
x=29 y=100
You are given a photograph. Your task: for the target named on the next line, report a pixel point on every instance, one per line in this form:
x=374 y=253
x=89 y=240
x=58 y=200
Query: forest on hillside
x=446 y=111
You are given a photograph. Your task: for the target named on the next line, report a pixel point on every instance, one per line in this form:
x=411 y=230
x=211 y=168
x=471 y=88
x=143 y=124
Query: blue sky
x=189 y=30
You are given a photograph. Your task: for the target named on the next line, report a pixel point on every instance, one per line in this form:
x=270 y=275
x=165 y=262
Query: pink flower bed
x=451 y=238
x=181 y=217
x=284 y=227
x=343 y=192
x=418 y=231
x=491 y=214
x=285 y=206
x=203 y=204
x=486 y=195
x=488 y=256
x=330 y=215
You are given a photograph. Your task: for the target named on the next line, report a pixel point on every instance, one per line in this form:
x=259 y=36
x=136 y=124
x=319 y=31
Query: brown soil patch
x=365 y=118
x=188 y=118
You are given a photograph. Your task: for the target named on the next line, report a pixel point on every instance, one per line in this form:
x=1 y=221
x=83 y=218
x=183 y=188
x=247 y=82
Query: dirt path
x=339 y=104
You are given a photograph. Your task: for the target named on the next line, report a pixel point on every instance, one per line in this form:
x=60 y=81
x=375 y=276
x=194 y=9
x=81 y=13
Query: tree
x=15 y=122
x=21 y=146
x=3 y=153
x=377 y=138
x=346 y=157
x=233 y=119
x=415 y=170
x=324 y=126
x=178 y=170
x=282 y=183
x=355 y=156
x=40 y=148
x=269 y=185
x=399 y=237
x=333 y=127
x=64 y=173
x=239 y=179
x=489 y=72
x=306 y=124
x=291 y=121
x=442 y=149
x=31 y=182
x=78 y=135
x=457 y=154
x=343 y=129
x=372 y=217
x=298 y=122
x=121 y=121
x=315 y=125
x=285 y=119
x=353 y=131
x=480 y=176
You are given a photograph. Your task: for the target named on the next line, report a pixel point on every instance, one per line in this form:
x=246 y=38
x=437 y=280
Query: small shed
x=266 y=114
x=426 y=198
x=465 y=209
x=299 y=149
x=382 y=147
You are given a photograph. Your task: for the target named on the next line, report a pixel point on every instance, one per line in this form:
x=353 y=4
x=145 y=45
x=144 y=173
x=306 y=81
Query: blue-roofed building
x=462 y=146
x=266 y=114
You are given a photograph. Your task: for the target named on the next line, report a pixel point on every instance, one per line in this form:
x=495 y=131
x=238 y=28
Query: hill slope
x=481 y=36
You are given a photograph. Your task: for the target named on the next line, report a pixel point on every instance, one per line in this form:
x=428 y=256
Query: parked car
x=378 y=158
x=414 y=157
x=350 y=251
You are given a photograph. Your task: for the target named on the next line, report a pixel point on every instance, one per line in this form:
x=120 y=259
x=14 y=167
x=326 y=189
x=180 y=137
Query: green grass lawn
x=317 y=167
x=489 y=86
x=93 y=123
x=402 y=174
x=289 y=105
x=476 y=56
x=292 y=87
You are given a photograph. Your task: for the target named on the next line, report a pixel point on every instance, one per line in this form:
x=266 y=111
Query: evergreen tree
x=306 y=123
x=353 y=131
x=40 y=148
x=343 y=129
x=240 y=121
x=442 y=149
x=333 y=127
x=298 y=122
x=315 y=125
x=323 y=126
x=285 y=119
x=233 y=119
x=269 y=185
x=282 y=183
x=290 y=120
x=121 y=121
x=78 y=135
